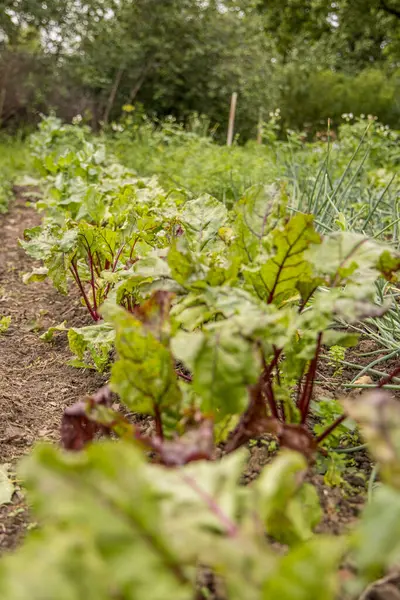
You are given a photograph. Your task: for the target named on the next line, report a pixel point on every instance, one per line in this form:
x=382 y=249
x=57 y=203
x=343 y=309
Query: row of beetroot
x=218 y=319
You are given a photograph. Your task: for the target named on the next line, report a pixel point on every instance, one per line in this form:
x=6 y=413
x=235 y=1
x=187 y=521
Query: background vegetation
x=314 y=59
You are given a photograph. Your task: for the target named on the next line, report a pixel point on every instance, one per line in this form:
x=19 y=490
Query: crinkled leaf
x=48 y=335
x=95 y=341
x=104 y=527
x=144 y=374
x=182 y=263
x=38 y=274
x=202 y=218
x=345 y=256
x=223 y=364
x=290 y=509
x=276 y=279
x=148 y=274
x=260 y=211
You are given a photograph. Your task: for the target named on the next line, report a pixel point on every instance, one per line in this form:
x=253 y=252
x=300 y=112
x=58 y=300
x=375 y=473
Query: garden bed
x=217 y=332
x=38 y=384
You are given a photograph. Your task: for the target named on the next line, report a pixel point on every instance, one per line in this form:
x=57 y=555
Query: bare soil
x=36 y=384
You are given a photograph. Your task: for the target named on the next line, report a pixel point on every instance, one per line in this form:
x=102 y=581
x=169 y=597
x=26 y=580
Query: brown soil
x=36 y=383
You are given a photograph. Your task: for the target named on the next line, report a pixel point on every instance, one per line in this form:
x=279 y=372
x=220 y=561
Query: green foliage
x=140 y=520
x=5 y=323
x=223 y=364
x=91 y=345
x=183 y=57
x=99 y=220
x=48 y=335
x=376 y=545
x=336 y=357
x=244 y=299
x=335 y=28
x=144 y=374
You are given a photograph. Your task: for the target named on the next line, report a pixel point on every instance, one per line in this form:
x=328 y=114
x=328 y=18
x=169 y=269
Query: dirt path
x=35 y=381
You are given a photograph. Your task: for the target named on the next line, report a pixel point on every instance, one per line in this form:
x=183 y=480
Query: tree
x=356 y=32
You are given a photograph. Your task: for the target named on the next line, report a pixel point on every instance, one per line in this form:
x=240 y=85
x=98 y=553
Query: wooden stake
x=113 y=93
x=260 y=126
x=231 y=125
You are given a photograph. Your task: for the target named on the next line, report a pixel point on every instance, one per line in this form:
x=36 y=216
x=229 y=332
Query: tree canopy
x=183 y=56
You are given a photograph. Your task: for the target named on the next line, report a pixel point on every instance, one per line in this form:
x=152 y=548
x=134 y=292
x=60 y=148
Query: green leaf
x=259 y=212
x=389 y=264
x=115 y=526
x=349 y=257
x=55 y=247
x=289 y=508
x=5 y=323
x=38 y=242
x=182 y=263
x=104 y=527
x=223 y=364
x=276 y=279
x=331 y=337
x=144 y=374
x=378 y=535
x=202 y=219
x=48 y=335
x=148 y=274
x=38 y=274
x=307 y=572
x=95 y=341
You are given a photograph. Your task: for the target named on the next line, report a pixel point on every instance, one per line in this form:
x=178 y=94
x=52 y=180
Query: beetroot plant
x=238 y=344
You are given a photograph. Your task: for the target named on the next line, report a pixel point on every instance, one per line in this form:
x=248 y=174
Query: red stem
x=92 y=282
x=133 y=247
x=328 y=431
x=158 y=421
x=75 y=273
x=113 y=269
x=187 y=378
x=303 y=304
x=267 y=383
x=117 y=257
x=309 y=383
x=97 y=267
x=299 y=388
x=389 y=377
x=271 y=398
x=277 y=354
